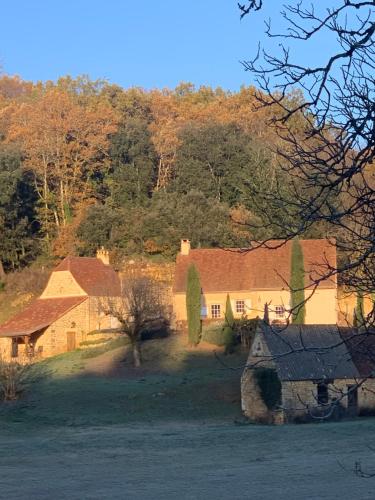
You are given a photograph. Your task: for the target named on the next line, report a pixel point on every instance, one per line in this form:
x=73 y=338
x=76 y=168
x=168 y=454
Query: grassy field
x=174 y=384
x=93 y=427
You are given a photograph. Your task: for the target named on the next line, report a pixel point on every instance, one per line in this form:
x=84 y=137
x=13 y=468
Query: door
x=352 y=400
x=70 y=341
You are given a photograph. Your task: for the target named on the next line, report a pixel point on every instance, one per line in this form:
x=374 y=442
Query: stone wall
x=62 y=284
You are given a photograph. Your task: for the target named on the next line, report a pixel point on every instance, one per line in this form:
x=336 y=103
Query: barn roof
x=226 y=270
x=309 y=352
x=94 y=277
x=38 y=315
x=361 y=345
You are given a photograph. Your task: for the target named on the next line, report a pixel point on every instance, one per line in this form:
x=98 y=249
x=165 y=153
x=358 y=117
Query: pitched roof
x=361 y=345
x=38 y=315
x=92 y=275
x=308 y=352
x=225 y=270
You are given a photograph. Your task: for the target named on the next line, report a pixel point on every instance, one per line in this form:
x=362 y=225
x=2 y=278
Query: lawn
x=93 y=427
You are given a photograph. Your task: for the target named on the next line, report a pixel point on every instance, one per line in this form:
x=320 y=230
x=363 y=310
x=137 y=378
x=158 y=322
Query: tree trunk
x=2 y=273
x=137 y=358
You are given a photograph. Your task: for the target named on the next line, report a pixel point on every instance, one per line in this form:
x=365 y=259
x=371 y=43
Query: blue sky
x=150 y=43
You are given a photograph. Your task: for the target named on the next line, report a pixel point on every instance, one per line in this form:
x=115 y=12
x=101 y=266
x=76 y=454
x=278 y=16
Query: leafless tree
x=139 y=305
x=328 y=159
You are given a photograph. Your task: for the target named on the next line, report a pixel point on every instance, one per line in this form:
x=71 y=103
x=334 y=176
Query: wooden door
x=70 y=341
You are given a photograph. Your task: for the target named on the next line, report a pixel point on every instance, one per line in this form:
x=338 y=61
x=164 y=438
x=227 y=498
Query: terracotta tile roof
x=92 y=275
x=39 y=314
x=225 y=270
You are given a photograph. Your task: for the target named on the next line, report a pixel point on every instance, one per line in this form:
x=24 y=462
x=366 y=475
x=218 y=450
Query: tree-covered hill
x=86 y=163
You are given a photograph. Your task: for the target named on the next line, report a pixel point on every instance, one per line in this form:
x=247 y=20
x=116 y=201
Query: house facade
x=319 y=371
x=254 y=278
x=67 y=310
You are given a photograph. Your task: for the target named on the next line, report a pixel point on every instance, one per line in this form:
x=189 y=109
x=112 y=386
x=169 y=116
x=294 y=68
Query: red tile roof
x=38 y=315
x=226 y=270
x=92 y=275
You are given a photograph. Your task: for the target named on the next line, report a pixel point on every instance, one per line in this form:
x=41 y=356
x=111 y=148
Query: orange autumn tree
x=65 y=144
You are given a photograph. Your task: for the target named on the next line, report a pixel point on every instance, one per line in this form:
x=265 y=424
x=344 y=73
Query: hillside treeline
x=86 y=163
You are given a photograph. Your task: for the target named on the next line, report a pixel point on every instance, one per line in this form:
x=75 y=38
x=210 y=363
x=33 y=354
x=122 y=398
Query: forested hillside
x=86 y=163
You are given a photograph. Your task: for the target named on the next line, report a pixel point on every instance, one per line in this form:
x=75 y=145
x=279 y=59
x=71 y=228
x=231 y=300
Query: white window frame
x=279 y=312
x=215 y=311
x=242 y=308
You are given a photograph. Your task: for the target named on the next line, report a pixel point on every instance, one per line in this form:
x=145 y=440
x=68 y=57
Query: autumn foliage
x=132 y=169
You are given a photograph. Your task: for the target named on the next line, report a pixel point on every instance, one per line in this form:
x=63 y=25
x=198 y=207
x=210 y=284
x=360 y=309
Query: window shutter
x=204 y=311
x=233 y=305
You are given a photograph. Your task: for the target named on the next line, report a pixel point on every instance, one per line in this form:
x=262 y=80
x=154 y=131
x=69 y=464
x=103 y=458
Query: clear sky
x=149 y=43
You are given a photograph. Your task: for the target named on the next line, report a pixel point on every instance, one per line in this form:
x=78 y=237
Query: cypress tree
x=359 y=313
x=297 y=284
x=193 y=305
x=228 y=332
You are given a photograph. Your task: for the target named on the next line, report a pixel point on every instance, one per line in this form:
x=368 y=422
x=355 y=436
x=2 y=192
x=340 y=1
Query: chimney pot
x=185 y=247
x=103 y=255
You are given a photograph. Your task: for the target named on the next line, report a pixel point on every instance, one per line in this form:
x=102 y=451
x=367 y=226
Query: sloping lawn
x=175 y=383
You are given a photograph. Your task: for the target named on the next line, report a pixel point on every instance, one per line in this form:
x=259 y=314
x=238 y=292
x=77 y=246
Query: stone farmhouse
x=302 y=372
x=254 y=278
x=66 y=311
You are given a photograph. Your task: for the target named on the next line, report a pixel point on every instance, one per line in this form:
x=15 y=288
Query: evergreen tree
x=193 y=305
x=359 y=312
x=297 y=284
x=228 y=332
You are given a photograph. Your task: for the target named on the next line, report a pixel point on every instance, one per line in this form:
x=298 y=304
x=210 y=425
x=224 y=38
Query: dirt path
x=111 y=363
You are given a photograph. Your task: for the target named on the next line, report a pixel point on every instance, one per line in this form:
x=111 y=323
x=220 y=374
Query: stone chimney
x=185 y=247
x=103 y=255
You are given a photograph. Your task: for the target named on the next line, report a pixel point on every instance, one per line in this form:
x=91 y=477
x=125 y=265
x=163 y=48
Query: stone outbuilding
x=68 y=309
x=254 y=277
x=307 y=372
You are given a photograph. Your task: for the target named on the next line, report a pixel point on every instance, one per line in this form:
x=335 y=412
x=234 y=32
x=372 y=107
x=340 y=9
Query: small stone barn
x=67 y=310
x=302 y=372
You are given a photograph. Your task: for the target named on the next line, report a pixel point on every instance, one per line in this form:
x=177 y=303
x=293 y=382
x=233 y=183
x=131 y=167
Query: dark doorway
x=352 y=400
x=70 y=341
x=14 y=348
x=322 y=394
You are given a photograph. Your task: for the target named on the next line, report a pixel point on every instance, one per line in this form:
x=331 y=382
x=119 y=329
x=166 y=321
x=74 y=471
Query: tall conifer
x=228 y=332
x=297 y=284
x=193 y=305
x=359 y=313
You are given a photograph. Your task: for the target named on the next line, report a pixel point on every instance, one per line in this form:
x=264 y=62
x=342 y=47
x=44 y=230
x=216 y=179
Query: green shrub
x=245 y=329
x=214 y=334
x=269 y=385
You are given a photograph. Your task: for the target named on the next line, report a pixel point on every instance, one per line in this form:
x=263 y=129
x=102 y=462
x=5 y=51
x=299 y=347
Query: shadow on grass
x=174 y=384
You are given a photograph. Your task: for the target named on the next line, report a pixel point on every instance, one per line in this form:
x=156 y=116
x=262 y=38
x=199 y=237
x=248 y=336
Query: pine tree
x=228 y=332
x=193 y=305
x=297 y=284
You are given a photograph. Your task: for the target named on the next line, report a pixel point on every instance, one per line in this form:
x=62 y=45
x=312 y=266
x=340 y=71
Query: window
x=240 y=306
x=322 y=394
x=279 y=311
x=215 y=311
